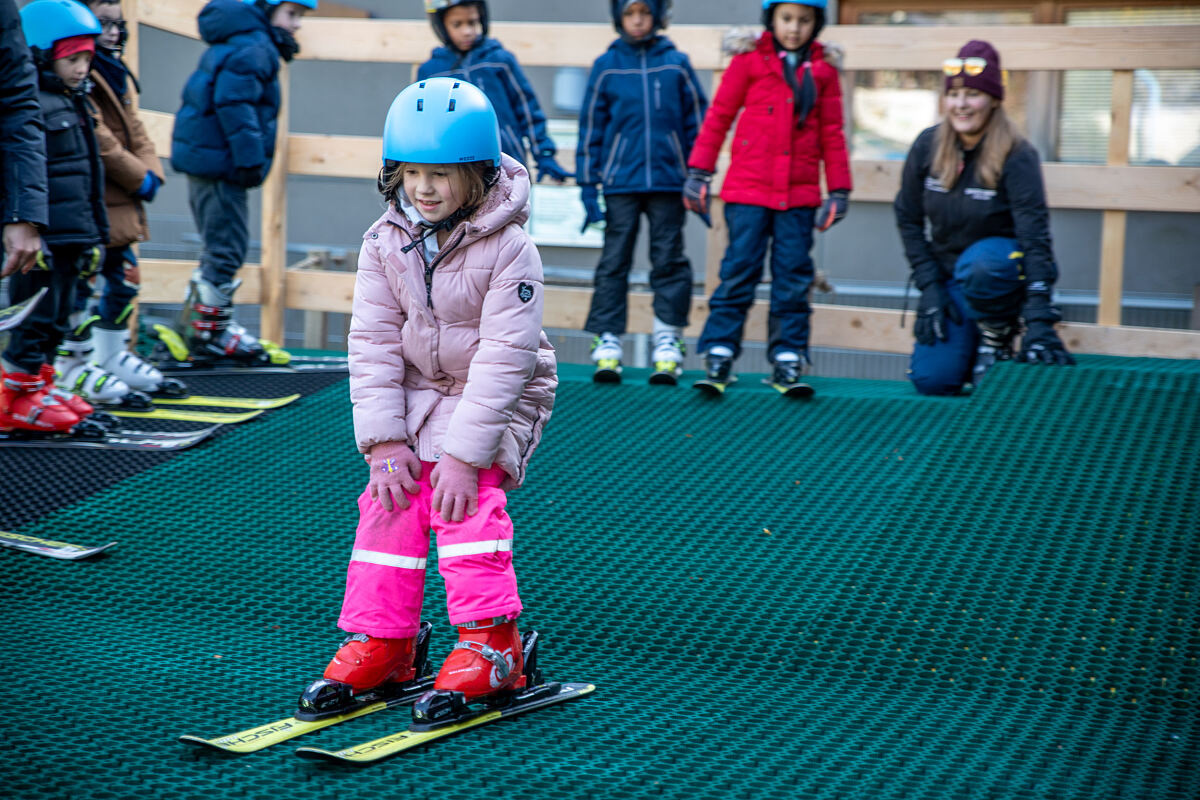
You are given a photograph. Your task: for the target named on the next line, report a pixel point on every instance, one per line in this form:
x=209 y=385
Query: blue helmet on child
x=48 y=21
x=768 y=12
x=436 y=9
x=659 y=9
x=441 y=121
x=309 y=4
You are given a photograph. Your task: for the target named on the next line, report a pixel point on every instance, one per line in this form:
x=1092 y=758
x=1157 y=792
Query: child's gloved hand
x=455 y=488
x=695 y=193
x=833 y=210
x=149 y=187
x=248 y=177
x=592 y=213
x=547 y=167
x=395 y=469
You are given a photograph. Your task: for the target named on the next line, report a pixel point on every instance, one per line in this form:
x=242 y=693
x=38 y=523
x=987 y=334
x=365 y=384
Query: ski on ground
x=209 y=401
x=713 y=388
x=47 y=547
x=201 y=369
x=263 y=736
x=110 y=440
x=319 y=359
x=541 y=696
x=796 y=390
x=13 y=316
x=184 y=415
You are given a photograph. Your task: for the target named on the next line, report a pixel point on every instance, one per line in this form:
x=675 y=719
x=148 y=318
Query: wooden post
x=274 y=224
x=131 y=55
x=1112 y=236
x=718 y=237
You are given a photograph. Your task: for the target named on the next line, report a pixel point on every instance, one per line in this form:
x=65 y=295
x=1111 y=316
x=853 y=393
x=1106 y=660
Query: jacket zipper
x=646 y=105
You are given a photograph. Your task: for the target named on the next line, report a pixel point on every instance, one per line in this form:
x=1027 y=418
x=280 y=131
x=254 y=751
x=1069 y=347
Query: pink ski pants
x=385 y=582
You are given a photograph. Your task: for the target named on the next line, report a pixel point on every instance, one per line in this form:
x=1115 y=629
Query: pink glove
x=455 y=488
x=395 y=469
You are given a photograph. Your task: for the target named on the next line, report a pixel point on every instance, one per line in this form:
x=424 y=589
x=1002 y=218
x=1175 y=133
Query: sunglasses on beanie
x=971 y=66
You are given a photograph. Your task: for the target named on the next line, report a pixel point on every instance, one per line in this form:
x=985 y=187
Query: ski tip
x=318 y=754
x=201 y=743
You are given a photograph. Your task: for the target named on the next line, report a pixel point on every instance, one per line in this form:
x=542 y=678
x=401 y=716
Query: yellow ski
x=208 y=401
x=408 y=739
x=47 y=547
x=183 y=415
x=252 y=740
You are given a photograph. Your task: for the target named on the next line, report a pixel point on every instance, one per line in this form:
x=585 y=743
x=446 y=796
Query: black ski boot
x=718 y=374
x=995 y=344
x=786 y=376
x=212 y=333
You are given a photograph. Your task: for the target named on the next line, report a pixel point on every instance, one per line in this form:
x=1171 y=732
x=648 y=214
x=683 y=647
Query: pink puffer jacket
x=453 y=359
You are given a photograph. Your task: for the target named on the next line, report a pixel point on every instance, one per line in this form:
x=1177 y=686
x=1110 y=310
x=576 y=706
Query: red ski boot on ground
x=364 y=662
x=486 y=660
x=26 y=405
x=80 y=407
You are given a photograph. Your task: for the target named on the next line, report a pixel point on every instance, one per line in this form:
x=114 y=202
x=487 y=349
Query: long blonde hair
x=1000 y=135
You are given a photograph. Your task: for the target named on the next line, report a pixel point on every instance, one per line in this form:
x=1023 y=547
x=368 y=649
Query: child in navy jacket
x=641 y=113
x=468 y=53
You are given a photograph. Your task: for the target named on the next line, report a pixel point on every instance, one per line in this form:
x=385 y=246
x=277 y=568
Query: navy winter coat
x=641 y=112
x=22 y=145
x=496 y=71
x=74 y=171
x=231 y=101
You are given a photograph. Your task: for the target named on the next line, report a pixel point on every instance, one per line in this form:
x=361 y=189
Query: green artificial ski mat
x=869 y=596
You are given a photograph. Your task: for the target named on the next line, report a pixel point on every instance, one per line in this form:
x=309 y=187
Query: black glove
x=834 y=209
x=933 y=309
x=247 y=177
x=695 y=193
x=547 y=167
x=1040 y=344
x=590 y=195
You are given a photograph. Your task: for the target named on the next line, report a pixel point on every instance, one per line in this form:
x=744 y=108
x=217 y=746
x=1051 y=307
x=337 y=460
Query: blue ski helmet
x=436 y=9
x=309 y=4
x=768 y=12
x=441 y=121
x=659 y=9
x=47 y=21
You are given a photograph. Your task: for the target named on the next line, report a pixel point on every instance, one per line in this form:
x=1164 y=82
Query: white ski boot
x=668 y=354
x=76 y=373
x=112 y=353
x=606 y=353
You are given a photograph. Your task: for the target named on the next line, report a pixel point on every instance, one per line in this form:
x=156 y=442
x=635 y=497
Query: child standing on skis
x=452 y=381
x=641 y=112
x=470 y=54
x=133 y=175
x=62 y=37
x=791 y=122
x=224 y=141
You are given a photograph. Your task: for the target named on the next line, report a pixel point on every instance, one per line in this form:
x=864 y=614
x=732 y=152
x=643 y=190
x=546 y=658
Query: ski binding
x=713 y=388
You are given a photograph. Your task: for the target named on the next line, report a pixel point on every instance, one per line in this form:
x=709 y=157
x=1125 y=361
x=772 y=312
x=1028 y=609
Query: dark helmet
x=436 y=9
x=660 y=9
x=768 y=13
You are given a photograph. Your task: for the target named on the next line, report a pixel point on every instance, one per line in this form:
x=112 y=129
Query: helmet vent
x=451 y=108
x=420 y=104
x=456 y=85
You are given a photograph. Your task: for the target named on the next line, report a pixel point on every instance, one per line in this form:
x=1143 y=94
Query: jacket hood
x=507 y=201
x=746 y=39
x=221 y=20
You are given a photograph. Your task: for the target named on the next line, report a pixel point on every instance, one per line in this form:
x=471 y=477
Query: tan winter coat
x=453 y=359
x=128 y=153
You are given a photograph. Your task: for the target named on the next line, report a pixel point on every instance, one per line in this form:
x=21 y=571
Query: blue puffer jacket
x=496 y=71
x=641 y=112
x=232 y=99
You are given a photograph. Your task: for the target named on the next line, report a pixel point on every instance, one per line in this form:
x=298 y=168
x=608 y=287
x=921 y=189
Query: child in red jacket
x=791 y=122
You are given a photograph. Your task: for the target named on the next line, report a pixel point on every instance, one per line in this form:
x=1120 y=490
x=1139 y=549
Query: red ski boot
x=80 y=407
x=367 y=670
x=26 y=405
x=487 y=660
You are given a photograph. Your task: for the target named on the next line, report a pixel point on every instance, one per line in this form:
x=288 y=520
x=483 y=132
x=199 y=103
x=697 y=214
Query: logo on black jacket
x=525 y=291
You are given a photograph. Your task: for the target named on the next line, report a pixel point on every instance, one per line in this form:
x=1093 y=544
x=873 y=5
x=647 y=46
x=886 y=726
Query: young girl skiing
x=791 y=122
x=452 y=381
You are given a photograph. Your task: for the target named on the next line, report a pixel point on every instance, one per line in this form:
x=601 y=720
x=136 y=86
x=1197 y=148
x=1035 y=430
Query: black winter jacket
x=73 y=165
x=967 y=212
x=22 y=143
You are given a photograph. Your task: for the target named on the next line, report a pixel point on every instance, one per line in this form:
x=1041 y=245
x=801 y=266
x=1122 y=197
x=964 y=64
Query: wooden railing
x=1115 y=188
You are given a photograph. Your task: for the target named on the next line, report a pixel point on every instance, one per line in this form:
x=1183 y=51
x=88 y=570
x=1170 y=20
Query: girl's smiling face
x=437 y=190
x=968 y=111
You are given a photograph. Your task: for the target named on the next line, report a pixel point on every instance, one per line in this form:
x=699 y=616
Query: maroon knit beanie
x=990 y=81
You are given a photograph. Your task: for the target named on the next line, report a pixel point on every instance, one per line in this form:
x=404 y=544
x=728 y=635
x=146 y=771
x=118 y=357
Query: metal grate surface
x=869 y=595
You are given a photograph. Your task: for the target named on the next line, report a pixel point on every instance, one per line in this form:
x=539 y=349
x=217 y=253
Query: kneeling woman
x=986 y=263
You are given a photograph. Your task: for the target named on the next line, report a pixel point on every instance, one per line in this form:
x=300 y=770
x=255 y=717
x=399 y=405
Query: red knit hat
x=65 y=48
x=989 y=79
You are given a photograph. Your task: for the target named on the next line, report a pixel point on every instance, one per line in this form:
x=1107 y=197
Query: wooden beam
x=166 y=281
x=274 y=226
x=1112 y=231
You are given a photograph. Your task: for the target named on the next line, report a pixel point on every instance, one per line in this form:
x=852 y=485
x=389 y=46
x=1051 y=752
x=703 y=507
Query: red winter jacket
x=774 y=163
